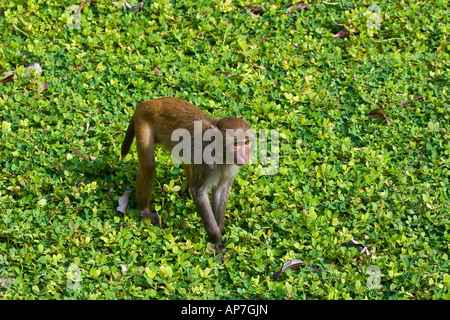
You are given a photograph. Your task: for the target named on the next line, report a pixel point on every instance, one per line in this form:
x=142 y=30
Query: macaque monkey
x=211 y=156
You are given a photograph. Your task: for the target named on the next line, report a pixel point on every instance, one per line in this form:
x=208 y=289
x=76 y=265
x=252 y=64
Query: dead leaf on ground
x=44 y=87
x=83 y=155
x=5 y=281
x=378 y=112
x=362 y=248
x=135 y=8
x=123 y=3
x=118 y=3
x=292 y=264
x=409 y=101
x=123 y=202
x=84 y=3
x=124 y=268
x=256 y=9
x=344 y=33
x=33 y=66
x=8 y=78
x=299 y=6
x=157 y=71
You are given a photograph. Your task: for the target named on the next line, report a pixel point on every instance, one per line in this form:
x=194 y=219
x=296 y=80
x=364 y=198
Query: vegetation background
x=311 y=72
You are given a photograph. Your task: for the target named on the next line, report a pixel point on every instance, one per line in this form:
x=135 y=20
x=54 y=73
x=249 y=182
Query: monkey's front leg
x=201 y=201
x=219 y=203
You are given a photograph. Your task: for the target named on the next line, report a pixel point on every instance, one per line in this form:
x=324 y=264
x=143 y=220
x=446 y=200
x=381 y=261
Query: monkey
x=210 y=165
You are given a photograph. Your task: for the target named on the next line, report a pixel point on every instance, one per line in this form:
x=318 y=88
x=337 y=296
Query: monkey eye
x=240 y=143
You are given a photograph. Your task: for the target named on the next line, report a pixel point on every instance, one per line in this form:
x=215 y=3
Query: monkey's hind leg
x=146 y=173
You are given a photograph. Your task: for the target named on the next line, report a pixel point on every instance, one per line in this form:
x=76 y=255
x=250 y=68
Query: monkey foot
x=218 y=248
x=154 y=217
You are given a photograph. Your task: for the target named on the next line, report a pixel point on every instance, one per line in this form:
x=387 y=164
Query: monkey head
x=238 y=140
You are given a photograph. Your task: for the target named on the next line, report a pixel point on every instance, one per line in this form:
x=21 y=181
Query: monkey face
x=242 y=151
x=239 y=147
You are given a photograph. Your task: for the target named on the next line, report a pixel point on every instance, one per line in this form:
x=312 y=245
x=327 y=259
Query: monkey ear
x=211 y=130
x=208 y=126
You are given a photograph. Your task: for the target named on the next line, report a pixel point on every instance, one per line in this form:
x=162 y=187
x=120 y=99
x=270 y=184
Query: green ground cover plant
x=314 y=74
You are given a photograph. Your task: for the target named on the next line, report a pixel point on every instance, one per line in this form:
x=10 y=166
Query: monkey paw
x=218 y=248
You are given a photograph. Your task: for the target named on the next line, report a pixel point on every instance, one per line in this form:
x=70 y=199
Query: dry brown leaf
x=157 y=71
x=256 y=9
x=138 y=7
x=9 y=78
x=44 y=87
x=362 y=248
x=125 y=4
x=378 y=112
x=344 y=33
x=84 y=3
x=5 y=281
x=33 y=66
x=299 y=6
x=388 y=120
x=135 y=8
x=260 y=68
x=409 y=101
x=292 y=264
x=123 y=202
x=124 y=268
x=83 y=155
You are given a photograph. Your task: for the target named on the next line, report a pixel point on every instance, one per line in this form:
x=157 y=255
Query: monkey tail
x=129 y=136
